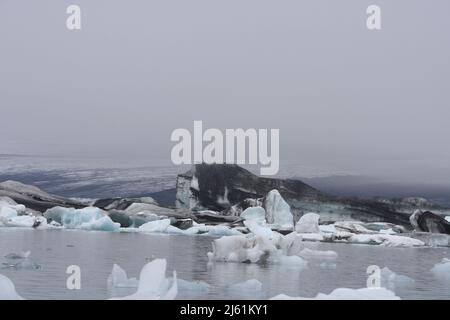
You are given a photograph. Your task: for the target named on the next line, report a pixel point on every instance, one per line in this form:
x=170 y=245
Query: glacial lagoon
x=95 y=252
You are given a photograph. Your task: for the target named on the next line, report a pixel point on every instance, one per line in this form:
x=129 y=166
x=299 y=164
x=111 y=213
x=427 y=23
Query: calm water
x=96 y=252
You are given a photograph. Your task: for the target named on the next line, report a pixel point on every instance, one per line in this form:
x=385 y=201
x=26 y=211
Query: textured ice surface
x=89 y=218
x=254 y=213
x=278 y=211
x=442 y=270
x=7 y=289
x=308 y=223
x=153 y=284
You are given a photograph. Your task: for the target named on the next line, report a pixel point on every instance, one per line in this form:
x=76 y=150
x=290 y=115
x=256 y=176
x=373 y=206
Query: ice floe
x=278 y=211
x=254 y=213
x=119 y=279
x=153 y=284
x=89 y=218
x=7 y=289
x=385 y=240
x=391 y=280
x=441 y=270
x=308 y=223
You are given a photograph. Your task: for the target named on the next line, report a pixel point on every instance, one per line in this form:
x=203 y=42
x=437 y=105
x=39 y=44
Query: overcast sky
x=343 y=97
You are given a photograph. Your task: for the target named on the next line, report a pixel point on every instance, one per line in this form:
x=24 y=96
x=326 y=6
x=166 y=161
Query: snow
x=257 y=214
x=7 y=289
x=278 y=211
x=385 y=240
x=442 y=270
x=153 y=284
x=119 y=279
x=155 y=226
x=308 y=223
x=89 y=218
x=348 y=294
x=447 y=218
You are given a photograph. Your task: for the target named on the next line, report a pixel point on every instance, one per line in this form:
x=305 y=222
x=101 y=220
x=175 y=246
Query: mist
x=344 y=98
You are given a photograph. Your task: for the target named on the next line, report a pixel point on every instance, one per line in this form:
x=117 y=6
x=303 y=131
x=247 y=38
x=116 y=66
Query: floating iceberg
x=348 y=294
x=119 y=279
x=442 y=270
x=391 y=280
x=308 y=223
x=278 y=211
x=89 y=218
x=257 y=214
x=155 y=226
x=7 y=289
x=386 y=240
x=153 y=284
x=317 y=254
x=259 y=229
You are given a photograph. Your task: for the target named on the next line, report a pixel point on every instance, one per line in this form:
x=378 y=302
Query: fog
x=344 y=98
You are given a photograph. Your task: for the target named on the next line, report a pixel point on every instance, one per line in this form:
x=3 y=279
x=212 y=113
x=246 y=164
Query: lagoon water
x=96 y=252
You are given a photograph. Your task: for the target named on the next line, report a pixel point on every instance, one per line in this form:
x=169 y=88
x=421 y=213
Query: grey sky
x=343 y=97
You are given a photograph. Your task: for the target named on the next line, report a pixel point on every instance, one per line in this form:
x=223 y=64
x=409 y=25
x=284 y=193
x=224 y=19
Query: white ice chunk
x=254 y=213
x=259 y=229
x=278 y=211
x=386 y=240
x=153 y=284
x=308 y=223
x=317 y=254
x=442 y=270
x=89 y=218
x=391 y=280
x=119 y=279
x=7 y=289
x=155 y=226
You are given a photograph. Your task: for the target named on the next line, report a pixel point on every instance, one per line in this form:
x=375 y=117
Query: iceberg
x=89 y=218
x=257 y=214
x=348 y=294
x=386 y=240
x=251 y=285
x=259 y=229
x=153 y=284
x=391 y=280
x=155 y=226
x=278 y=211
x=119 y=279
x=7 y=289
x=317 y=254
x=442 y=270
x=308 y=223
